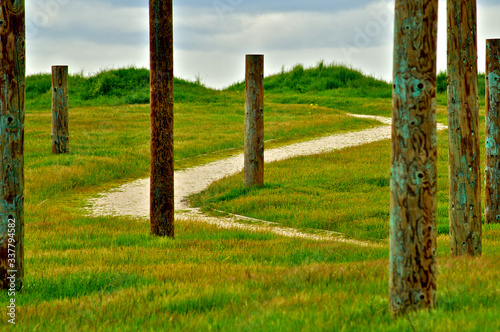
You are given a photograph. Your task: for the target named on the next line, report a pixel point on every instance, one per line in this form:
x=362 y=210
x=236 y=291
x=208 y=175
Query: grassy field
x=109 y=274
x=342 y=194
x=347 y=191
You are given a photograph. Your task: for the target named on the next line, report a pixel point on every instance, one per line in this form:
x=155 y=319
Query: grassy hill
x=332 y=86
x=112 y=88
x=131 y=86
x=107 y=273
x=334 y=80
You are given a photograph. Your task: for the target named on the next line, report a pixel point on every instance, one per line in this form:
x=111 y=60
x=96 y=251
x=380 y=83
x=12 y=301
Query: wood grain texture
x=254 y=120
x=412 y=274
x=12 y=101
x=60 y=110
x=463 y=130
x=492 y=162
x=162 y=118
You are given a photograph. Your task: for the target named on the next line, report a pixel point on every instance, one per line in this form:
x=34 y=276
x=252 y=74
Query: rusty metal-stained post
x=60 y=110
x=463 y=130
x=12 y=97
x=412 y=279
x=162 y=118
x=254 y=120
x=492 y=169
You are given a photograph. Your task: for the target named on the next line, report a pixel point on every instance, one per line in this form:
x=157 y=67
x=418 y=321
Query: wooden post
x=492 y=169
x=12 y=97
x=412 y=279
x=463 y=130
x=254 y=120
x=60 y=110
x=162 y=118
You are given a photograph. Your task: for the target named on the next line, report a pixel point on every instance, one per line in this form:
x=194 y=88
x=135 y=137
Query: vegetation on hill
x=112 y=88
x=316 y=85
x=326 y=79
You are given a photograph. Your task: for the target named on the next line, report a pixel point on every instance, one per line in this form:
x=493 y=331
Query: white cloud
x=80 y=54
x=364 y=27
x=215 y=49
x=64 y=18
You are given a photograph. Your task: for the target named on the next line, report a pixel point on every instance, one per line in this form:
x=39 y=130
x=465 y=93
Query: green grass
x=125 y=86
x=109 y=274
x=331 y=79
x=339 y=193
x=342 y=194
x=324 y=196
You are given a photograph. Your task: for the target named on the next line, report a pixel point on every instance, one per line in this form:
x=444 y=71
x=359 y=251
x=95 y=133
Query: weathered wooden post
x=463 y=130
x=254 y=120
x=12 y=96
x=412 y=280
x=60 y=110
x=162 y=118
x=492 y=169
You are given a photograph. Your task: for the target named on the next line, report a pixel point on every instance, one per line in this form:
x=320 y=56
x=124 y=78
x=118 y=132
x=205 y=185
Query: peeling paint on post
x=463 y=130
x=12 y=97
x=412 y=279
x=492 y=168
x=162 y=118
x=254 y=120
x=60 y=110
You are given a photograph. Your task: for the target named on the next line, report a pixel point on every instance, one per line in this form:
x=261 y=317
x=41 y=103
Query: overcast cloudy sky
x=211 y=37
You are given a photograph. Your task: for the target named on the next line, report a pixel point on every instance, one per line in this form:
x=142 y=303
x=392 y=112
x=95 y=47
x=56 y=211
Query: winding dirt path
x=132 y=199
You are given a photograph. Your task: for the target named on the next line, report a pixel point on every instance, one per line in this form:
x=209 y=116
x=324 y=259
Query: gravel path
x=132 y=199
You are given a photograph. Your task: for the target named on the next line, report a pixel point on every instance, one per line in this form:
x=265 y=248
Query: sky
x=211 y=37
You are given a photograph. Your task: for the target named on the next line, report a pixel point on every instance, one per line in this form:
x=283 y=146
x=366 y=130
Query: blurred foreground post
x=162 y=118
x=12 y=97
x=463 y=130
x=254 y=120
x=60 y=110
x=412 y=280
x=492 y=169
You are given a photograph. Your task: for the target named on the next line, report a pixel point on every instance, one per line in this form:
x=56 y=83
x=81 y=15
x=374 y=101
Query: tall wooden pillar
x=412 y=279
x=12 y=97
x=463 y=130
x=162 y=118
x=492 y=168
x=254 y=120
x=60 y=110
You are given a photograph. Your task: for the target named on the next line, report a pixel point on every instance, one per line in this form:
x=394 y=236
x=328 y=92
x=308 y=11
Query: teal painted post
x=463 y=130
x=254 y=120
x=412 y=274
x=12 y=98
x=60 y=110
x=162 y=118
x=492 y=162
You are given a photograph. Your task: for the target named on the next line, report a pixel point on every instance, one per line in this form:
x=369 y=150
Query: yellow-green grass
x=107 y=275
x=348 y=191
x=72 y=257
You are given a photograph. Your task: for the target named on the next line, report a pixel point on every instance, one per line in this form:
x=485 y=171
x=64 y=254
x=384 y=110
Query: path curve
x=132 y=199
